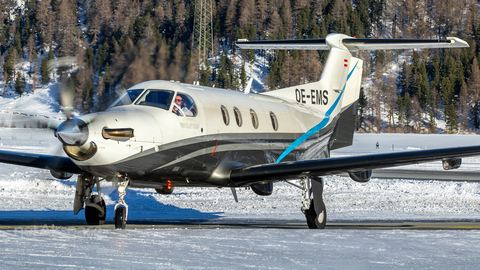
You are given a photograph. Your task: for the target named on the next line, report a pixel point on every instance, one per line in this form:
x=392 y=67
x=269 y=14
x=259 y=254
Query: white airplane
x=161 y=134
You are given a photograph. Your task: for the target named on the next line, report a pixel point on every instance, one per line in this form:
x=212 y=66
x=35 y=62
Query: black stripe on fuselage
x=197 y=160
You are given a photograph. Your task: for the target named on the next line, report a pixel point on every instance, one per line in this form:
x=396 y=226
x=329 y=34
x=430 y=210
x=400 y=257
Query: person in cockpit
x=179 y=102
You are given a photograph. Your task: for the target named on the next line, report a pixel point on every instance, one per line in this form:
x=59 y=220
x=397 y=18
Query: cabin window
x=274 y=121
x=226 y=118
x=254 y=117
x=156 y=98
x=238 y=116
x=128 y=97
x=183 y=105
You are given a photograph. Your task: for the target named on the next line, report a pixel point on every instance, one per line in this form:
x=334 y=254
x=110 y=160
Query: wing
x=463 y=176
x=55 y=163
x=333 y=166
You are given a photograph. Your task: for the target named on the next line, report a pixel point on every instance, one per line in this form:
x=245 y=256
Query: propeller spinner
x=73 y=132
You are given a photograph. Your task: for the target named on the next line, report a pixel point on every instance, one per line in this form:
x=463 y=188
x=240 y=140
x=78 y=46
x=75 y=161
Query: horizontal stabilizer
x=353 y=44
x=295 y=44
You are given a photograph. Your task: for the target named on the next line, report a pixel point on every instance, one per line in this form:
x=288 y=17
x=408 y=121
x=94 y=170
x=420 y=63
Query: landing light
x=117 y=133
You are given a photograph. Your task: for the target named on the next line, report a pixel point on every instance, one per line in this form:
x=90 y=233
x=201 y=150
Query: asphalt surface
x=367 y=225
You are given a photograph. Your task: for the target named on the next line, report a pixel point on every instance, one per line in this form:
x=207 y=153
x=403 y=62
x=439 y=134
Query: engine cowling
x=263 y=189
x=361 y=177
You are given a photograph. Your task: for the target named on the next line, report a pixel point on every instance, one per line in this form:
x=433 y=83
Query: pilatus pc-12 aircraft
x=161 y=134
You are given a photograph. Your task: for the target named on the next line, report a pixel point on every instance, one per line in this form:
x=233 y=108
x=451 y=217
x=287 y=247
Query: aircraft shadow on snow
x=140 y=202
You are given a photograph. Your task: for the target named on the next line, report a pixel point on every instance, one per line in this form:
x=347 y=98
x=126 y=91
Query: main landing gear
x=121 y=208
x=313 y=206
x=95 y=210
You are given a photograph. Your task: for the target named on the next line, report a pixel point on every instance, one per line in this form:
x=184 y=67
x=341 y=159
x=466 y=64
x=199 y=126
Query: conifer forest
x=119 y=43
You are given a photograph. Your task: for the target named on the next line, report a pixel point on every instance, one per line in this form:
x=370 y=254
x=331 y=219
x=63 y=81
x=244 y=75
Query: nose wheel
x=121 y=208
x=120 y=218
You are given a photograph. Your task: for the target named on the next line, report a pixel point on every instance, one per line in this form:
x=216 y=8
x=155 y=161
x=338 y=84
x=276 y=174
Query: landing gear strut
x=121 y=208
x=313 y=206
x=95 y=210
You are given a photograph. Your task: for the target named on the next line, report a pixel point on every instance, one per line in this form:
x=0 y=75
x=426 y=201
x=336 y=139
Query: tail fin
x=338 y=90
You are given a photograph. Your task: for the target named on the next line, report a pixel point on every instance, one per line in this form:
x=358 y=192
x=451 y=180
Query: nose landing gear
x=121 y=208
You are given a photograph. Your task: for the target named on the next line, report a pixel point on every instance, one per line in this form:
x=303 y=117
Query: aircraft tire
x=92 y=215
x=320 y=224
x=312 y=217
x=120 y=222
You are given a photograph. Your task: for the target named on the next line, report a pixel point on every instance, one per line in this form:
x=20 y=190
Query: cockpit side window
x=127 y=97
x=156 y=98
x=184 y=105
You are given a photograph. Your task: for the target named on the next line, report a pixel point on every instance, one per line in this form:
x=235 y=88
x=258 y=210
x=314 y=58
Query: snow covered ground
x=27 y=195
x=239 y=249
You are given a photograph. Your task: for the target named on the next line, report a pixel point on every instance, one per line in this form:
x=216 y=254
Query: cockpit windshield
x=156 y=98
x=128 y=97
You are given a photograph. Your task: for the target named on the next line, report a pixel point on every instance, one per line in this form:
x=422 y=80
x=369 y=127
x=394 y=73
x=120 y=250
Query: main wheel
x=120 y=214
x=315 y=221
x=321 y=218
x=92 y=215
x=310 y=215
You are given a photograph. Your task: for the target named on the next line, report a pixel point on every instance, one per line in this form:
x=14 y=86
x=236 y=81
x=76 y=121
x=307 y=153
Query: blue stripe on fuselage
x=320 y=125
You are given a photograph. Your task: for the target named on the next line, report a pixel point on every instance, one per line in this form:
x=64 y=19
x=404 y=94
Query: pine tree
x=19 y=84
x=9 y=66
x=286 y=17
x=18 y=44
x=447 y=91
x=89 y=58
x=205 y=73
x=463 y=107
x=356 y=26
x=35 y=71
x=243 y=76
x=44 y=71
x=407 y=105
x=474 y=90
x=50 y=54
x=303 y=23
x=451 y=118
x=416 y=115
x=88 y=94
x=404 y=79
x=362 y=108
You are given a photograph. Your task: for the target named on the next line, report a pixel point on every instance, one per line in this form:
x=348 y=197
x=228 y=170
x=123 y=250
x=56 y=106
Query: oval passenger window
x=226 y=118
x=254 y=117
x=238 y=116
x=274 y=121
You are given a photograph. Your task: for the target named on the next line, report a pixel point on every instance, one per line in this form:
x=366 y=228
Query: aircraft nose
x=73 y=132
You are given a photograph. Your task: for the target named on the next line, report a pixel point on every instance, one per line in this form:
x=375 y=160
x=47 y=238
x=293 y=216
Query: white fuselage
x=278 y=123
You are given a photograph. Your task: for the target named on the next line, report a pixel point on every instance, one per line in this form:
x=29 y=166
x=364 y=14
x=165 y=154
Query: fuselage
x=226 y=127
